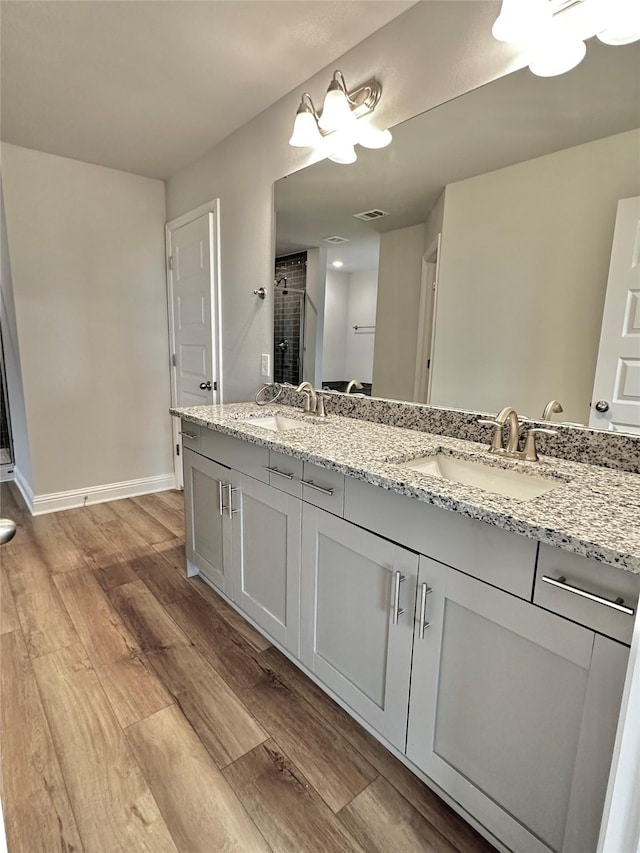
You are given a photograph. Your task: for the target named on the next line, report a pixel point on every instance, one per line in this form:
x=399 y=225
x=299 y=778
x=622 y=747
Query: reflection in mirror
x=483 y=236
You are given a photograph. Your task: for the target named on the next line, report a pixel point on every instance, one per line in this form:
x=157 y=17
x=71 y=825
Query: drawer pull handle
x=279 y=473
x=397 y=610
x=618 y=604
x=220 y=499
x=423 y=610
x=231 y=512
x=188 y=435
x=322 y=489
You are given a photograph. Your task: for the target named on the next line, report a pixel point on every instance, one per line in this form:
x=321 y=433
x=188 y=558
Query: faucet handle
x=320 y=412
x=530 y=449
x=489 y=422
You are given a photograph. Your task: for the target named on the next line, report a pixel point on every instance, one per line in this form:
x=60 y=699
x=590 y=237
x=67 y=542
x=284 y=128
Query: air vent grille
x=335 y=240
x=371 y=214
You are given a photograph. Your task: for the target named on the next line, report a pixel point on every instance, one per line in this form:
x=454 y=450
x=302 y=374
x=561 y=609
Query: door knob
x=602 y=406
x=205 y=386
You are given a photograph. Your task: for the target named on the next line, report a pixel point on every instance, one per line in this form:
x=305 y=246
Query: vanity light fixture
x=551 y=51
x=337 y=129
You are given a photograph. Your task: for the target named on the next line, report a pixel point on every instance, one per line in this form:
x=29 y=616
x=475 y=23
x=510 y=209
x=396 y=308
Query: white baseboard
x=24 y=486
x=99 y=494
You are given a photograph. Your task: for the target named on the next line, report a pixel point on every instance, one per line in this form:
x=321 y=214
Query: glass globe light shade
x=522 y=20
x=556 y=55
x=336 y=111
x=624 y=23
x=305 y=129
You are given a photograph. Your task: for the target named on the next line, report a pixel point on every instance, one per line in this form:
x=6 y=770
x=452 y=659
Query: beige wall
x=433 y=52
x=399 y=276
x=523 y=273
x=87 y=255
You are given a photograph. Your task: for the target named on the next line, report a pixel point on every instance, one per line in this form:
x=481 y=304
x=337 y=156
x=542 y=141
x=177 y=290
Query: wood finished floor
x=141 y=713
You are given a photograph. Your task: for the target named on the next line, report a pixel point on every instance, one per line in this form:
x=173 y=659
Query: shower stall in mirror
x=288 y=317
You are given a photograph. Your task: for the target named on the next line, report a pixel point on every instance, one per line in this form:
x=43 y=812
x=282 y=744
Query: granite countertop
x=594 y=511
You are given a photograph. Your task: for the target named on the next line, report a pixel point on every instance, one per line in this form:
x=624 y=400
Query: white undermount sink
x=275 y=423
x=501 y=481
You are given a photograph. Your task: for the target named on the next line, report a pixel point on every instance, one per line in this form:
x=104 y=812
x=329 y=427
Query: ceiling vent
x=371 y=214
x=335 y=240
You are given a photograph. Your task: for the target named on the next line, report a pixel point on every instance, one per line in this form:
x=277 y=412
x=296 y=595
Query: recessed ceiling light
x=337 y=264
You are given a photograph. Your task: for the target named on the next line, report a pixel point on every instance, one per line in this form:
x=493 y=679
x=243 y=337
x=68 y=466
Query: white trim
x=25 y=488
x=56 y=501
x=213 y=209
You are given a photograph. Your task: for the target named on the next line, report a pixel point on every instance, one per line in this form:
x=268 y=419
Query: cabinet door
x=266 y=550
x=208 y=530
x=513 y=712
x=353 y=583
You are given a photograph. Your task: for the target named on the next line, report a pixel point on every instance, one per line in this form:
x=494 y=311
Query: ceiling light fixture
x=552 y=51
x=337 y=264
x=337 y=128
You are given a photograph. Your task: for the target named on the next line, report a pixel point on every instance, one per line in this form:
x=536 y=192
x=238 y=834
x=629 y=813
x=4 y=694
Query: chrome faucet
x=552 y=407
x=313 y=400
x=529 y=453
x=353 y=384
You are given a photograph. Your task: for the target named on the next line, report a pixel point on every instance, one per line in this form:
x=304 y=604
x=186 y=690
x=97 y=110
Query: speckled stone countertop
x=594 y=512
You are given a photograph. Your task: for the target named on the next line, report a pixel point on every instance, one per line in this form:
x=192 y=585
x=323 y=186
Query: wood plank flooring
x=141 y=713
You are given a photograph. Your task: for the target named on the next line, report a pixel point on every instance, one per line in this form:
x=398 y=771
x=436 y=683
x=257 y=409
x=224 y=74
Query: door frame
x=426 y=322
x=213 y=209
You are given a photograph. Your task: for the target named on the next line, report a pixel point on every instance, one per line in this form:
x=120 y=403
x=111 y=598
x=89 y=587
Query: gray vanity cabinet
x=513 y=711
x=266 y=551
x=356 y=618
x=208 y=532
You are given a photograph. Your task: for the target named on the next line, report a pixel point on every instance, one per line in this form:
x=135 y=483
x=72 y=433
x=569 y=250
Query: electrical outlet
x=264 y=364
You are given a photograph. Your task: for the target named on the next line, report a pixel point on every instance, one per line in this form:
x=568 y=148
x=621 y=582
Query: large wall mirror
x=466 y=265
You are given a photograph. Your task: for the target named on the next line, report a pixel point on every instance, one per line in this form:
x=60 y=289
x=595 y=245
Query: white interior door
x=615 y=404
x=194 y=312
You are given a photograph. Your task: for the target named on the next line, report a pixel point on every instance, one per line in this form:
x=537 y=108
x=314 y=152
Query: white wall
x=335 y=326
x=397 y=315
x=509 y=268
x=361 y=311
x=448 y=44
x=17 y=412
x=87 y=256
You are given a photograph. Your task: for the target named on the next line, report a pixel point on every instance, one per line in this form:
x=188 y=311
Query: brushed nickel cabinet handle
x=397 y=610
x=322 y=489
x=618 y=604
x=423 y=610
x=231 y=512
x=188 y=435
x=220 y=498
x=279 y=473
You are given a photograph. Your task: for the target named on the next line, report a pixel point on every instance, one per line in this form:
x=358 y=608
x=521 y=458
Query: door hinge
x=215 y=385
x=173 y=359
x=177 y=450
x=170 y=262
x=428 y=363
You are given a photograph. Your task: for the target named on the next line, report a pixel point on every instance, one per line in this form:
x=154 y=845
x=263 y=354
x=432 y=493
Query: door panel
x=266 y=534
x=191 y=251
x=617 y=380
x=348 y=638
x=504 y=703
x=208 y=531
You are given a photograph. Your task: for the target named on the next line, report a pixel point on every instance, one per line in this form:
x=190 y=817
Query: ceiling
x=511 y=120
x=148 y=86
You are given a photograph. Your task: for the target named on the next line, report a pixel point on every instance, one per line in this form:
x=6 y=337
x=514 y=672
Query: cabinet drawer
x=503 y=559
x=190 y=435
x=323 y=488
x=285 y=473
x=584 y=578
x=234 y=453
